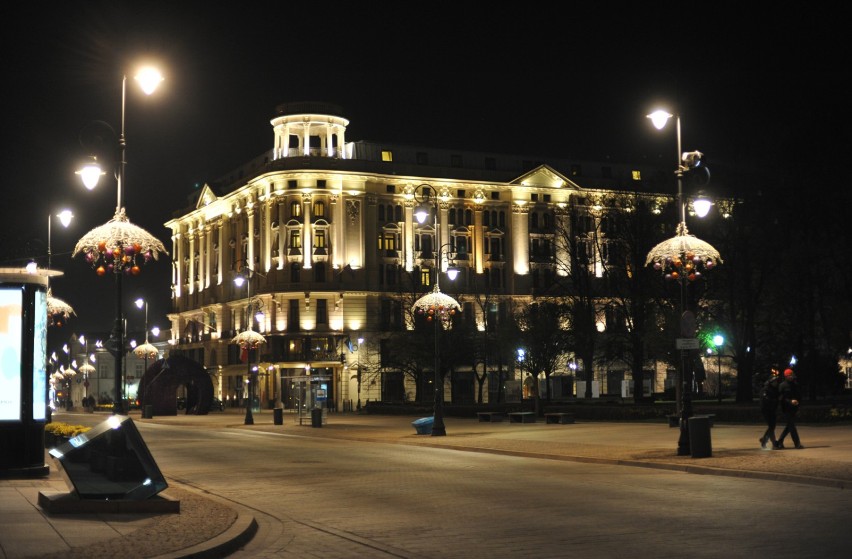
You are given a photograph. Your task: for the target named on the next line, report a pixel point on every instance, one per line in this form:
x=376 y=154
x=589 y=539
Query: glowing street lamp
x=119 y=247
x=248 y=339
x=683 y=259
x=436 y=306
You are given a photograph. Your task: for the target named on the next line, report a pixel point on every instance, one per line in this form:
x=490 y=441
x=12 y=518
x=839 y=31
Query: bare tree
x=543 y=335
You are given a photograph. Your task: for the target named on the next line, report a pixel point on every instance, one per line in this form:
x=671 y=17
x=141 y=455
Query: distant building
x=327 y=226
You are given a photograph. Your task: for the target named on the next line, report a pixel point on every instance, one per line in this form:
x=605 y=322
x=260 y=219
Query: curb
x=236 y=536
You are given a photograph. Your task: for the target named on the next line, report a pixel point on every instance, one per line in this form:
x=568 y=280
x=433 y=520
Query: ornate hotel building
x=324 y=227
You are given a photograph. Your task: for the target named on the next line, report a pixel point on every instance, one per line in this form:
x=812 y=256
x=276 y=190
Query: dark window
x=295 y=272
x=547 y=197
x=495 y=195
x=320 y=183
x=292 y=184
x=319 y=273
x=606 y=172
x=390 y=189
x=490 y=163
x=322 y=311
x=293 y=315
x=455 y=160
x=422 y=158
x=460 y=193
x=381 y=209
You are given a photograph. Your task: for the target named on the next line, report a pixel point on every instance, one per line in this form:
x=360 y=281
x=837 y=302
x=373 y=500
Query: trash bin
x=147 y=411
x=423 y=426
x=278 y=416
x=316 y=417
x=699 y=436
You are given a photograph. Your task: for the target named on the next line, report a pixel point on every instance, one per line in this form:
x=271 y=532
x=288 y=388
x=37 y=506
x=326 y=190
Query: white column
x=177 y=251
x=250 y=236
x=306 y=138
x=478 y=240
x=282 y=235
x=266 y=234
x=220 y=254
x=408 y=236
x=191 y=269
x=520 y=239
x=307 y=241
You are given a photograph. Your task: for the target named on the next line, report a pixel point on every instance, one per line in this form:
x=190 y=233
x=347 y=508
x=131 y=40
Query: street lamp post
x=719 y=341
x=683 y=258
x=118 y=246
x=68 y=374
x=147 y=349
x=248 y=339
x=57 y=309
x=436 y=306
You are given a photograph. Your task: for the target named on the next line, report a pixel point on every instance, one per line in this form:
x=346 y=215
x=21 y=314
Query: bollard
x=278 y=416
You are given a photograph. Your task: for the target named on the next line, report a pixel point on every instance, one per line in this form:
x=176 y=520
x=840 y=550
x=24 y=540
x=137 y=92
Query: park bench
x=491 y=416
x=522 y=417
x=561 y=418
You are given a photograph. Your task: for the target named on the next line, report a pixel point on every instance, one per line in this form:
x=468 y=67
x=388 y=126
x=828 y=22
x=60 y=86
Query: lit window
x=637 y=176
x=387 y=156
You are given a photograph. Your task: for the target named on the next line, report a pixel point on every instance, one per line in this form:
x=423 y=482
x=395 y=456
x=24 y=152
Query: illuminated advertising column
x=23 y=374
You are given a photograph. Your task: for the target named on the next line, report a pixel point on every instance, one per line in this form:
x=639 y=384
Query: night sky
x=754 y=94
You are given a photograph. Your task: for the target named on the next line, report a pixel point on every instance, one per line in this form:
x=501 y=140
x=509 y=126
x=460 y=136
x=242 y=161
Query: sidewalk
x=207 y=527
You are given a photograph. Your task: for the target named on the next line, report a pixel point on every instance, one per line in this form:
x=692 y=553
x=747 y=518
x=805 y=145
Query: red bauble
x=100 y=271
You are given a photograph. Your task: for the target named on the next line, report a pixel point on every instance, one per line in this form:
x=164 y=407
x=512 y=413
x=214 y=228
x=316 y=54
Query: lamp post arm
x=680 y=201
x=122 y=146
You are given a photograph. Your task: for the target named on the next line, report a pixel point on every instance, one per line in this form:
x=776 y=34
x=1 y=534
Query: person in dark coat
x=769 y=406
x=790 y=396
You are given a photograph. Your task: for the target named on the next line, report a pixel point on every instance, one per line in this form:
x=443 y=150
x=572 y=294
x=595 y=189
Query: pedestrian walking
x=769 y=396
x=790 y=396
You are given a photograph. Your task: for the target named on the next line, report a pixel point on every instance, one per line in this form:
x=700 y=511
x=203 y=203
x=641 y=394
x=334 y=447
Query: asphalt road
x=327 y=497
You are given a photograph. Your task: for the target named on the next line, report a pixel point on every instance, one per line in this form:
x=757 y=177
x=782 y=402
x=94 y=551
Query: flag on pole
x=244 y=355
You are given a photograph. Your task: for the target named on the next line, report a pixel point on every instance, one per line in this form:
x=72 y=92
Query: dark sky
x=563 y=82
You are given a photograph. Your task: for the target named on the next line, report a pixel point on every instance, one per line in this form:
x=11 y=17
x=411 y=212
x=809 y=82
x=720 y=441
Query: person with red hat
x=791 y=396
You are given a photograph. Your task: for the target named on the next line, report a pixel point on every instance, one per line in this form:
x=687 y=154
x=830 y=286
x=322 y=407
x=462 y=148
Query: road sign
x=686 y=343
